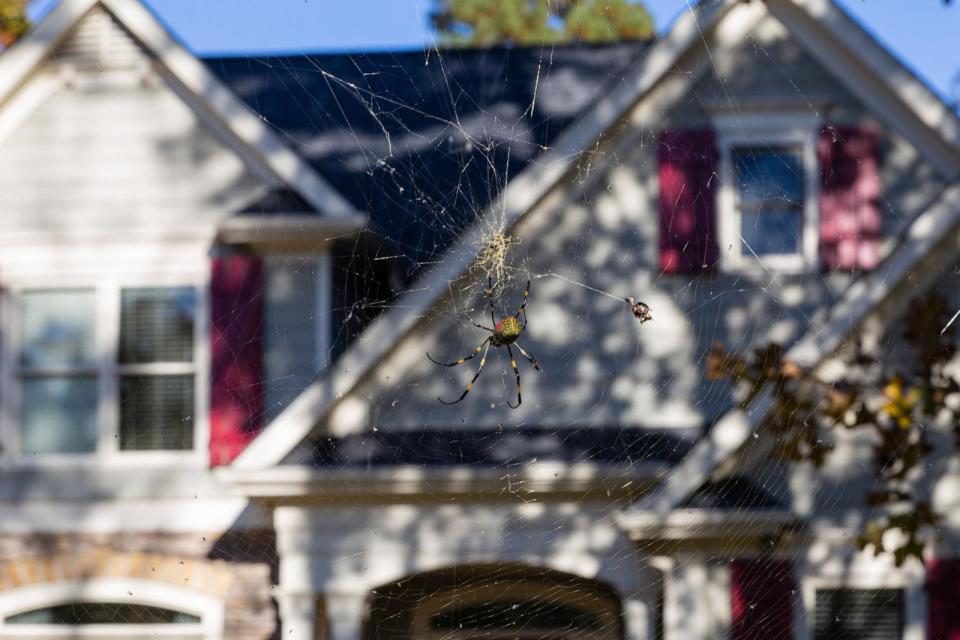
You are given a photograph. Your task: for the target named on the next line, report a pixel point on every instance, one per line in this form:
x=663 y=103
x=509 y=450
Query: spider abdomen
x=506 y=332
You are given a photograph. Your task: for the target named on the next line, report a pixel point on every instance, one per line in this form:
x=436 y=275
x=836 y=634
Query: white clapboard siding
x=119 y=156
x=112 y=148
x=100 y=42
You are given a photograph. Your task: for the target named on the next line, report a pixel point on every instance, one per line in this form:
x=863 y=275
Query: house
x=221 y=278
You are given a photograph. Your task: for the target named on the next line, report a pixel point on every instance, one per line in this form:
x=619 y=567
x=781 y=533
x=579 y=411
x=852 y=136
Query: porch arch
x=515 y=600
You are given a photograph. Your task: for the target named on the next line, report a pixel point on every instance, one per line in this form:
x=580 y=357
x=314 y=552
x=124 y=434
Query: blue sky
x=924 y=33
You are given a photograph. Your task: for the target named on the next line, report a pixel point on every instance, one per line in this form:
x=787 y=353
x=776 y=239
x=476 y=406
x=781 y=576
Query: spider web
x=427 y=142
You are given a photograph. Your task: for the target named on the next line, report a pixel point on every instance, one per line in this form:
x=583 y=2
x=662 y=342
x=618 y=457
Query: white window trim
x=881 y=575
x=210 y=610
x=324 y=310
x=760 y=128
x=107 y=285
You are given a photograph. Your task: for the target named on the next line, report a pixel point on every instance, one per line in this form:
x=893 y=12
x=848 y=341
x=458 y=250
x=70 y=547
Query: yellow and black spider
x=503 y=334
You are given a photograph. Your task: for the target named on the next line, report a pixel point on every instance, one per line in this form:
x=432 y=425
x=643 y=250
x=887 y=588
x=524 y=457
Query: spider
x=503 y=334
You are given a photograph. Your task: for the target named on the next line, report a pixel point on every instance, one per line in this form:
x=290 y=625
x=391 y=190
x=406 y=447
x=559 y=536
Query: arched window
x=109 y=608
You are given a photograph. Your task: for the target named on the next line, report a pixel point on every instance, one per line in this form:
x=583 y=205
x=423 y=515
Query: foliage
x=897 y=406
x=524 y=22
x=13 y=21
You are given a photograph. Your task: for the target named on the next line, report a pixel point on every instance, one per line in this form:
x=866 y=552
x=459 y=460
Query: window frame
x=129 y=591
x=797 y=129
x=107 y=288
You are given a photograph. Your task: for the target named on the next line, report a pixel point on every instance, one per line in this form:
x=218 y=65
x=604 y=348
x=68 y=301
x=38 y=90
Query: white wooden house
x=209 y=429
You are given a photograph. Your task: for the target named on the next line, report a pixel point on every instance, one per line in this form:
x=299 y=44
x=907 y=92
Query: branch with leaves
x=532 y=22
x=897 y=403
x=13 y=21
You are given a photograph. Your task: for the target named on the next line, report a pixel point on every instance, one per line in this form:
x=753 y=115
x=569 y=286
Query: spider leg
x=483 y=361
x=529 y=357
x=523 y=307
x=473 y=355
x=480 y=326
x=490 y=298
x=513 y=363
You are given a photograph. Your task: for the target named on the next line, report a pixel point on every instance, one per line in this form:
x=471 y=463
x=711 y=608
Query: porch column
x=696 y=599
x=345 y=615
x=295 y=594
x=297 y=616
x=639 y=618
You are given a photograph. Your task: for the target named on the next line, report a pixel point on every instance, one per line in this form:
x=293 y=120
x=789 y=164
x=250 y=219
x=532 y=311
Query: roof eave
x=560 y=480
x=286 y=233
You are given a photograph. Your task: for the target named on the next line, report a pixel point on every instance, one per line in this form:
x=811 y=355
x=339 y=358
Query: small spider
x=503 y=334
x=640 y=310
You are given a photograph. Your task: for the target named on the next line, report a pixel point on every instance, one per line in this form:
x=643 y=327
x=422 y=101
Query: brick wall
x=237 y=567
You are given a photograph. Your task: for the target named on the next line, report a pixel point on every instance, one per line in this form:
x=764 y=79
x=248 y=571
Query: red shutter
x=236 y=312
x=762 y=595
x=943 y=599
x=687 y=161
x=850 y=216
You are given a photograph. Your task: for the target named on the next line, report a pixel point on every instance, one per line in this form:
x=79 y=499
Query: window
x=769 y=190
x=109 y=608
x=858 y=614
x=767 y=210
x=106 y=369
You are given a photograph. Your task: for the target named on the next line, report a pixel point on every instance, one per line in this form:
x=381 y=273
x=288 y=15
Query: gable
x=600 y=367
x=104 y=144
x=660 y=78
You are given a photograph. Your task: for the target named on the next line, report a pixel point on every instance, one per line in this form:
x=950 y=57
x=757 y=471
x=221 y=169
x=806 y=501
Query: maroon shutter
x=850 y=216
x=687 y=161
x=762 y=594
x=943 y=599
x=236 y=312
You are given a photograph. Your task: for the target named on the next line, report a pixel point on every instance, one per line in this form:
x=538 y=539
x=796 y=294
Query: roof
x=500 y=448
x=424 y=140
x=877 y=78
x=247 y=135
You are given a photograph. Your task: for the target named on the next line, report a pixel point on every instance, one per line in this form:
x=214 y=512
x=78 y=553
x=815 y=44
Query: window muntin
x=769 y=184
x=106 y=369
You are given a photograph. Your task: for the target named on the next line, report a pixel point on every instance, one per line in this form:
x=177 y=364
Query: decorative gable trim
x=248 y=136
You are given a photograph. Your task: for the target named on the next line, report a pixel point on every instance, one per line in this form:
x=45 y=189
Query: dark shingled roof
x=501 y=447
x=736 y=492
x=424 y=140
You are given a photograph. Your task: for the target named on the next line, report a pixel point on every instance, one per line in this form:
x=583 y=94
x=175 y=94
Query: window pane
x=156 y=325
x=59 y=415
x=102 y=613
x=771 y=232
x=768 y=174
x=156 y=412
x=858 y=614
x=58 y=328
